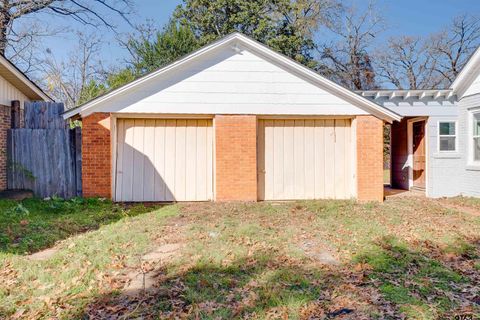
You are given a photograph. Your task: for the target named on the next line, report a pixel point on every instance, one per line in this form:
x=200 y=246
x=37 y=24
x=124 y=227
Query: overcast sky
x=410 y=17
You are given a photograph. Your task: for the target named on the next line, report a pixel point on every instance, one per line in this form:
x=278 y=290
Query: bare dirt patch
x=43 y=255
x=144 y=279
x=318 y=253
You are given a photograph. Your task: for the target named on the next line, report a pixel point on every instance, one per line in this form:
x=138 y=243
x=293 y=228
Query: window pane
x=447 y=143
x=447 y=128
x=476 y=149
x=476 y=124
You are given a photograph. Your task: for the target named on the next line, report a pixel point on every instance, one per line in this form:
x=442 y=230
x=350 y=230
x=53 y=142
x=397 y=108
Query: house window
x=447 y=133
x=476 y=137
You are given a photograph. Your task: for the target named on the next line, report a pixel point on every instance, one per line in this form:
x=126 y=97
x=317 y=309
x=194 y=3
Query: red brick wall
x=5 y=124
x=236 y=158
x=369 y=158
x=96 y=156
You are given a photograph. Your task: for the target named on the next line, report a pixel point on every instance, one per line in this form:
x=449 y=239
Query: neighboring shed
x=15 y=89
x=233 y=121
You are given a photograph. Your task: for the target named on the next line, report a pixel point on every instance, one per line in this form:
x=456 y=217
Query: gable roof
x=20 y=81
x=234 y=40
x=468 y=74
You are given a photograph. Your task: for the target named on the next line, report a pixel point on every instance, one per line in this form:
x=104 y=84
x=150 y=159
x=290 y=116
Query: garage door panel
x=209 y=164
x=289 y=161
x=339 y=158
x=329 y=159
x=200 y=164
x=164 y=160
x=149 y=158
x=159 y=160
x=269 y=159
x=278 y=159
x=261 y=159
x=304 y=159
x=299 y=152
x=349 y=161
x=310 y=166
x=170 y=145
x=319 y=139
x=191 y=158
x=120 y=150
x=128 y=156
x=180 y=160
x=138 y=158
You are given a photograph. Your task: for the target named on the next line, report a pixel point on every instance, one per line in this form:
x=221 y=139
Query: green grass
x=84 y=268
x=34 y=224
x=413 y=280
x=407 y=258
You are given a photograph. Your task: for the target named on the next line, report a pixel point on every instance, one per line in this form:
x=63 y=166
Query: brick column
x=369 y=158
x=96 y=156
x=236 y=158
x=5 y=123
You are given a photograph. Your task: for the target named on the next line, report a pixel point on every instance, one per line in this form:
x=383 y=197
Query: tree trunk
x=4 y=22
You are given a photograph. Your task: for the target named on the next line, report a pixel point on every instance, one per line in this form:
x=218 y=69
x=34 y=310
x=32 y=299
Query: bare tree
x=26 y=45
x=66 y=80
x=87 y=12
x=405 y=62
x=453 y=47
x=348 y=60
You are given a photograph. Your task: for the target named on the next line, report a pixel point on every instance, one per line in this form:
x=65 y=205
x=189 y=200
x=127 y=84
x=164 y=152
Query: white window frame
x=471 y=156
x=447 y=135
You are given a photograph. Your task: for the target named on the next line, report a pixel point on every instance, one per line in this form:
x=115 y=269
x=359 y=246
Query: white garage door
x=164 y=160
x=305 y=159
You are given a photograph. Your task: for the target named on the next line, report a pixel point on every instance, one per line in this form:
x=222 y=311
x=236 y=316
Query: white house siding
x=470 y=182
x=230 y=82
x=444 y=169
x=8 y=93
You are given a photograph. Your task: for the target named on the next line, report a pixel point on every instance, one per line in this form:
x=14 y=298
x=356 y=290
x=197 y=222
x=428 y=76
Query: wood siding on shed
x=305 y=159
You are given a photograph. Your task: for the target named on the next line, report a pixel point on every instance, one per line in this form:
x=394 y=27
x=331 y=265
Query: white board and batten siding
x=164 y=160
x=8 y=93
x=305 y=159
x=227 y=82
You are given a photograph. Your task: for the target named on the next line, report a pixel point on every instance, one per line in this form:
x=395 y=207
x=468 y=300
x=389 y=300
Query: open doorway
x=408 y=150
x=417 y=150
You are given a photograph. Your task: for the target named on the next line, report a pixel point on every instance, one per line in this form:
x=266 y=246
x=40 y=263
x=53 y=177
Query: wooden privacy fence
x=45 y=156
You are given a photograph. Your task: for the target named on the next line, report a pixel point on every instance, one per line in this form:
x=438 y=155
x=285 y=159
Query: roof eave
x=468 y=72
x=38 y=93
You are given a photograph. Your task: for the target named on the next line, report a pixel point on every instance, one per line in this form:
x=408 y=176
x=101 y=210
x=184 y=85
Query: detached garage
x=234 y=121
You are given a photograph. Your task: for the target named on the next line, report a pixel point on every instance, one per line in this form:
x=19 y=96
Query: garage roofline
x=236 y=41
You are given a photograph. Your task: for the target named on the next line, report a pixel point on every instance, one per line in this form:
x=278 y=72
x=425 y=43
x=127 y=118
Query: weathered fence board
x=45 y=156
x=42 y=115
